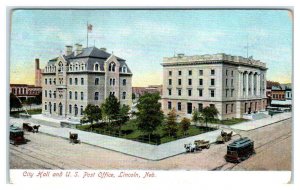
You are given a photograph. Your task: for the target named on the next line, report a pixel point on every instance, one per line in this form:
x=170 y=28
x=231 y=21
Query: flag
x=89 y=28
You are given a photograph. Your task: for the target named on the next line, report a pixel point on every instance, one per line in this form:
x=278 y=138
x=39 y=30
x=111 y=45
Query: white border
x=168 y=179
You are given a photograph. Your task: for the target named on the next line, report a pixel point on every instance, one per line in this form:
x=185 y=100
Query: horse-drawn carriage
x=29 y=128
x=16 y=136
x=197 y=146
x=224 y=137
x=73 y=137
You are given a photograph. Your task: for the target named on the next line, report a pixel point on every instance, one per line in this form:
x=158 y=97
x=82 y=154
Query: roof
x=240 y=142
x=90 y=56
x=281 y=102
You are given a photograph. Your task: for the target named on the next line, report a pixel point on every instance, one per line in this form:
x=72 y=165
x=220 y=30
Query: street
x=273 y=146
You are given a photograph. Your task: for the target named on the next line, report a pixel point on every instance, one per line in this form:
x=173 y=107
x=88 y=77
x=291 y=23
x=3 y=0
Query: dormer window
x=112 y=67
x=124 y=69
x=96 y=67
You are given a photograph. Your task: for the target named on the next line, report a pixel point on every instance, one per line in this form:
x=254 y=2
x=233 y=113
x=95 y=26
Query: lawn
x=130 y=131
x=229 y=121
x=30 y=112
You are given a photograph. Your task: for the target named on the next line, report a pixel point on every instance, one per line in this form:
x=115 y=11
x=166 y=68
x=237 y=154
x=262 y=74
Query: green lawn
x=229 y=121
x=30 y=112
x=130 y=131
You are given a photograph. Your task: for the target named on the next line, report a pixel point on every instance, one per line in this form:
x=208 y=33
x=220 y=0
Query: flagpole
x=87 y=34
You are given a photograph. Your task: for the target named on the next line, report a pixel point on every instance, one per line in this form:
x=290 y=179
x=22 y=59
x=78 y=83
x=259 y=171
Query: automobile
x=16 y=136
x=240 y=150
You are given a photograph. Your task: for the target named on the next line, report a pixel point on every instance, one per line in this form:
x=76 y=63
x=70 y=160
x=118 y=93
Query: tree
x=197 y=116
x=14 y=102
x=92 y=113
x=133 y=96
x=149 y=115
x=185 y=124
x=124 y=114
x=209 y=113
x=30 y=101
x=171 y=124
x=111 y=108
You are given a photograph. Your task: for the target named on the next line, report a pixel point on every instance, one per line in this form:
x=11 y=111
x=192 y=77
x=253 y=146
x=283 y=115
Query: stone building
x=25 y=91
x=84 y=76
x=233 y=84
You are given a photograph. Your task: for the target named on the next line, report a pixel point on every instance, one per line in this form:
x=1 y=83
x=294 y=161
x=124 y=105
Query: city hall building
x=84 y=76
x=233 y=84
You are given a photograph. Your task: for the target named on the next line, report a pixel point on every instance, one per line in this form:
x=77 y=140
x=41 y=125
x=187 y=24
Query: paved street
x=272 y=144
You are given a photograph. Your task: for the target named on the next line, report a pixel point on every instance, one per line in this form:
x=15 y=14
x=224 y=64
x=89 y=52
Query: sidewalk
x=251 y=125
x=134 y=148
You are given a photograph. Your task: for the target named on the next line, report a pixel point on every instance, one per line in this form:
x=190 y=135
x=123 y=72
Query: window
x=81 y=110
x=76 y=81
x=212 y=82
x=226 y=108
x=190 y=81
x=124 y=82
x=54 y=106
x=231 y=82
x=114 y=82
x=179 y=106
x=50 y=94
x=226 y=82
x=212 y=93
x=50 y=81
x=81 y=95
x=54 y=81
x=170 y=81
x=200 y=72
x=231 y=108
x=190 y=72
x=45 y=81
x=231 y=94
x=96 y=81
x=200 y=82
x=179 y=73
x=232 y=73
x=70 y=81
x=123 y=95
x=189 y=108
x=124 y=69
x=200 y=107
x=200 y=92
x=189 y=92
x=70 y=108
x=45 y=105
x=170 y=92
x=110 y=81
x=70 y=95
x=112 y=67
x=179 y=81
x=226 y=72
x=82 y=81
x=226 y=92
x=75 y=95
x=96 y=67
x=212 y=105
x=169 y=105
x=179 y=92
x=170 y=73
x=45 y=93
x=96 y=96
x=212 y=72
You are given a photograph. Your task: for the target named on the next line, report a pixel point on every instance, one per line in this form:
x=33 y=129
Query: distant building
x=24 y=91
x=38 y=73
x=233 y=84
x=281 y=96
x=139 y=91
x=84 y=76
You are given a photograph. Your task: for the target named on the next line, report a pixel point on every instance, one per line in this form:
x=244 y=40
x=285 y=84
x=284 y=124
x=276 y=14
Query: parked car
x=240 y=150
x=16 y=136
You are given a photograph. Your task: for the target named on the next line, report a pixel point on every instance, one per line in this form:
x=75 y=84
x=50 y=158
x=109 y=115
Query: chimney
x=68 y=50
x=78 y=49
x=37 y=63
x=103 y=49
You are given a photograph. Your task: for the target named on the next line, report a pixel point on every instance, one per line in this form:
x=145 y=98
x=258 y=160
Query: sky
x=144 y=37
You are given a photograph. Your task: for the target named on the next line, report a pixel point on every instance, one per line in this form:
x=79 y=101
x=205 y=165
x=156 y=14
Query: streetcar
x=239 y=150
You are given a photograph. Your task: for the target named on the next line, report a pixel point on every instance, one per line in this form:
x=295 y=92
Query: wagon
x=201 y=144
x=16 y=136
x=224 y=137
x=73 y=137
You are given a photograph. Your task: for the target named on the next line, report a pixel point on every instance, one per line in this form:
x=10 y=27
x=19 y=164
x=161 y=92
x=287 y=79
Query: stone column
x=240 y=84
x=257 y=85
x=252 y=84
x=247 y=84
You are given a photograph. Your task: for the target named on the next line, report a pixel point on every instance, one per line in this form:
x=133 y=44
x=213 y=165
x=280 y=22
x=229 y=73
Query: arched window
x=71 y=67
x=60 y=67
x=75 y=95
x=124 y=82
x=124 y=95
x=124 y=69
x=81 y=110
x=49 y=93
x=76 y=67
x=70 y=95
x=96 y=67
x=70 y=108
x=81 y=95
x=96 y=81
x=112 y=67
x=75 y=110
x=114 y=82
